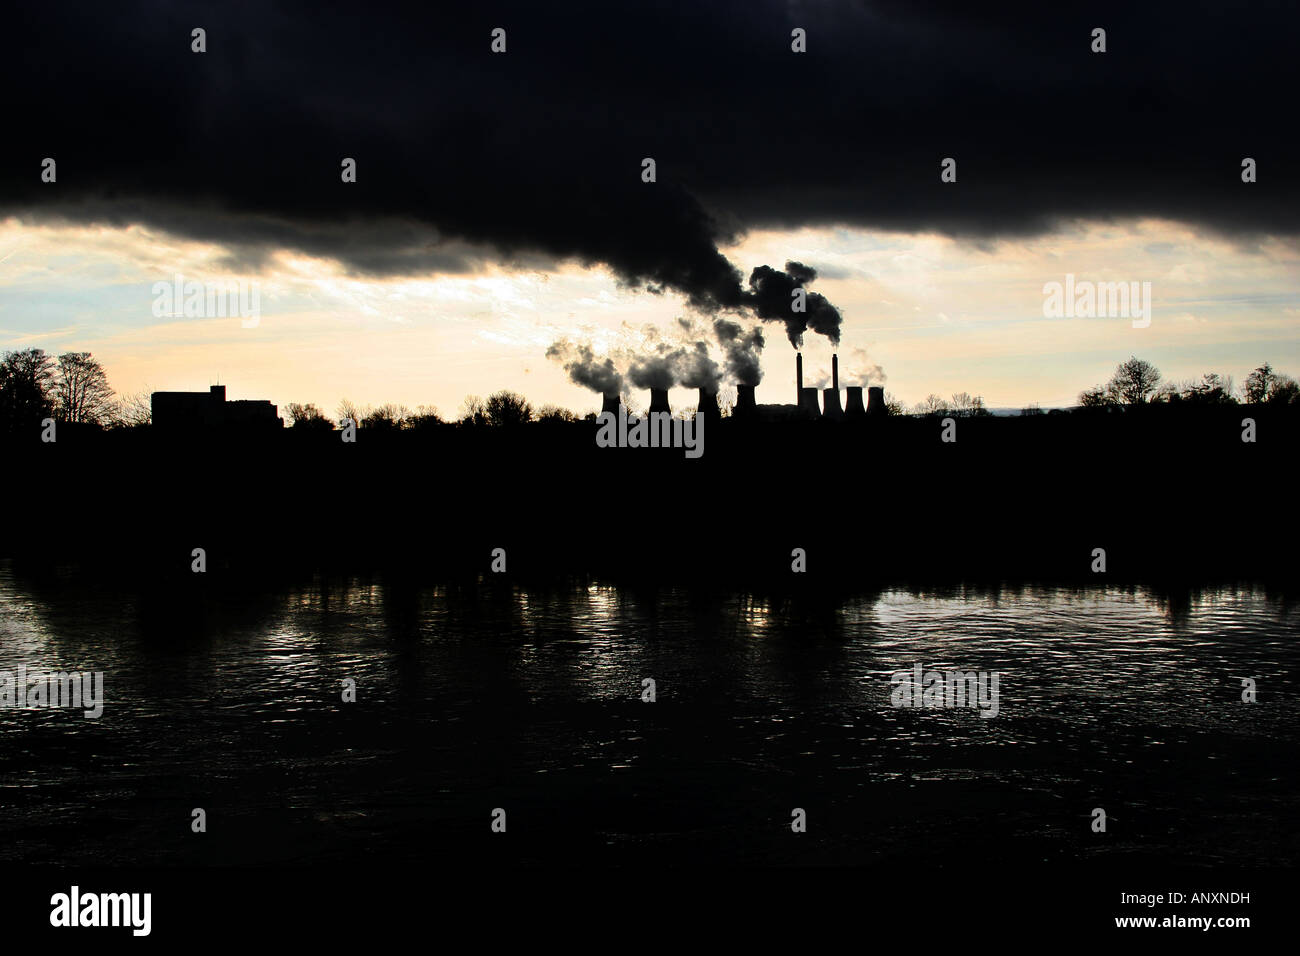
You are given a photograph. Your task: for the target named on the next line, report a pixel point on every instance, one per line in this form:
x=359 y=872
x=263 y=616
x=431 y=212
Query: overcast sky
x=499 y=202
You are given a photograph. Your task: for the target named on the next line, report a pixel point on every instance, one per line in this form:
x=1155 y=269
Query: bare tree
x=966 y=405
x=1095 y=397
x=554 y=413
x=1168 y=392
x=300 y=413
x=424 y=416
x=933 y=405
x=505 y=408
x=349 y=410
x=387 y=416
x=1212 y=389
x=473 y=411
x=136 y=408
x=26 y=388
x=307 y=417
x=1133 y=381
x=81 y=391
x=1285 y=391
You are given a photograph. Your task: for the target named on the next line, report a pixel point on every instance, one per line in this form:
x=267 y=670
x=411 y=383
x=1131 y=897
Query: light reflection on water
x=467 y=689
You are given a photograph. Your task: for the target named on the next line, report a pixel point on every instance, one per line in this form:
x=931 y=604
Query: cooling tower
x=876 y=400
x=808 y=403
x=708 y=404
x=610 y=404
x=853 y=407
x=745 y=406
x=659 y=401
x=831 y=403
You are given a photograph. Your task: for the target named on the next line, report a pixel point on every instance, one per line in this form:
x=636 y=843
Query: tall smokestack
x=808 y=403
x=835 y=371
x=853 y=407
x=745 y=405
x=876 y=400
x=659 y=400
x=798 y=377
x=708 y=404
x=831 y=403
x=610 y=404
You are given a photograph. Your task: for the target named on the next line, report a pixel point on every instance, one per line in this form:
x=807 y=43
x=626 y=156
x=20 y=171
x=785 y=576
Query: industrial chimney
x=745 y=406
x=808 y=403
x=876 y=400
x=831 y=396
x=853 y=407
x=610 y=404
x=708 y=404
x=659 y=401
x=798 y=378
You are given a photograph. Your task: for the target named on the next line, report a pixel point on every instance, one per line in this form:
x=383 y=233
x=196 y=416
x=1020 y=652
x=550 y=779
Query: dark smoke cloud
x=653 y=371
x=466 y=157
x=696 y=369
x=742 y=349
x=771 y=296
x=688 y=365
x=586 y=369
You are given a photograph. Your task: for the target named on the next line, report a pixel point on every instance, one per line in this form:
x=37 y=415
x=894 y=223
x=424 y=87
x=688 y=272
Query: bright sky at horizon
x=937 y=315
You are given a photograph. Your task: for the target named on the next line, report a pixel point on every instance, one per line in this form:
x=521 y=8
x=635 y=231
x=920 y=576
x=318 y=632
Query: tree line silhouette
x=73 y=389
x=1138 y=382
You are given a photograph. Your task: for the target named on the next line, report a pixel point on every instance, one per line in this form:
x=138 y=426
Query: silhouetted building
x=193 y=410
x=745 y=404
x=708 y=405
x=780 y=413
x=808 y=404
x=876 y=400
x=853 y=407
x=831 y=396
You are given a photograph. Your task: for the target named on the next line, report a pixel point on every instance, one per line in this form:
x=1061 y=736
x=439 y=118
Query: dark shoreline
x=870 y=502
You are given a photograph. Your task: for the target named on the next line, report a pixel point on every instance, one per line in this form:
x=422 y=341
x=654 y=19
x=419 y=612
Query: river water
x=474 y=696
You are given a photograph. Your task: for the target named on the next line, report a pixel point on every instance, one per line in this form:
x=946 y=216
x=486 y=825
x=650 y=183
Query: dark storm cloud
x=535 y=155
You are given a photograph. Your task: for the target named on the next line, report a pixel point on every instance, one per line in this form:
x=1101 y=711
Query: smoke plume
x=866 y=371
x=696 y=369
x=741 y=349
x=771 y=296
x=585 y=369
x=652 y=371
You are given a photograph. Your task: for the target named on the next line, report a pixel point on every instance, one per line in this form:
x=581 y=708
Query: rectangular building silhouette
x=197 y=410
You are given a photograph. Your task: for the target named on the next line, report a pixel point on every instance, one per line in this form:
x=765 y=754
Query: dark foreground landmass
x=1170 y=496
